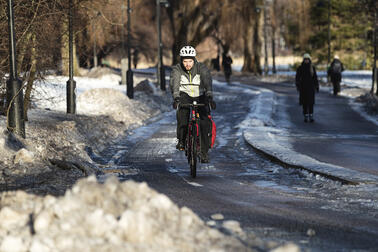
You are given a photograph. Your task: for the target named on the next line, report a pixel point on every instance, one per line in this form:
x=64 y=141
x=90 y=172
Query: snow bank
x=113 y=216
x=58 y=146
x=111 y=102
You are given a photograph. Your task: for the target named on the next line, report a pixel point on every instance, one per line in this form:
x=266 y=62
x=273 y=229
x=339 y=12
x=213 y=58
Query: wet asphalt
x=339 y=136
x=276 y=203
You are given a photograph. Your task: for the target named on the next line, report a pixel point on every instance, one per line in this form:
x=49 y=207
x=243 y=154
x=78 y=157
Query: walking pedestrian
x=334 y=72
x=135 y=58
x=226 y=63
x=307 y=84
x=215 y=64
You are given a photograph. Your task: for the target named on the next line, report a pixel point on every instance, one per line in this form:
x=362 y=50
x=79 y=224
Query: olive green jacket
x=195 y=82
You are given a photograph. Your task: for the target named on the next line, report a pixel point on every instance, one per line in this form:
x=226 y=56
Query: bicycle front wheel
x=193 y=154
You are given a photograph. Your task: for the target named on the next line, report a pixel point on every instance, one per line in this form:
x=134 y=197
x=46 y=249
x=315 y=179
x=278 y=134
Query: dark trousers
x=336 y=87
x=336 y=79
x=308 y=109
x=183 y=118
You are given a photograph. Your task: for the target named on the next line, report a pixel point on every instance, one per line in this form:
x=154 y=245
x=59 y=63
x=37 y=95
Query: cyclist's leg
x=182 y=118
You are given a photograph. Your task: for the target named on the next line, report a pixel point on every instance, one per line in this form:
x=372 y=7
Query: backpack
x=212 y=133
x=336 y=67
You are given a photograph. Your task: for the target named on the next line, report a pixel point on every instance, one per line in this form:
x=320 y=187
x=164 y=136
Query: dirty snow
x=47 y=204
x=112 y=216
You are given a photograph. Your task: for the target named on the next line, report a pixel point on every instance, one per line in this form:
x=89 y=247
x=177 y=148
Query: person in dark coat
x=215 y=64
x=334 y=72
x=226 y=63
x=307 y=84
x=135 y=58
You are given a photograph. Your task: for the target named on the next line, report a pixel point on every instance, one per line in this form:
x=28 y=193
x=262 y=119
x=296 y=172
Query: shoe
x=311 y=118
x=180 y=146
x=204 y=158
x=306 y=118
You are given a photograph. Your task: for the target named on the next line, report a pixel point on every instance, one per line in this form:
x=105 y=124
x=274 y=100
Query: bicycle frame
x=193 y=138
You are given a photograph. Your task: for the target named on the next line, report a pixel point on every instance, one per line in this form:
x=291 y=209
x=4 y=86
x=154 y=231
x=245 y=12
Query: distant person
x=306 y=81
x=215 y=64
x=135 y=58
x=363 y=63
x=334 y=72
x=226 y=63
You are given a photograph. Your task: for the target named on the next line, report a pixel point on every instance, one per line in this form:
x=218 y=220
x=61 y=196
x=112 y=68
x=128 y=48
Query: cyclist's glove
x=212 y=103
x=176 y=103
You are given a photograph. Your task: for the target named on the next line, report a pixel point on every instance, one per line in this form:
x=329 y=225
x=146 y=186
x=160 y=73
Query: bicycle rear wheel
x=193 y=153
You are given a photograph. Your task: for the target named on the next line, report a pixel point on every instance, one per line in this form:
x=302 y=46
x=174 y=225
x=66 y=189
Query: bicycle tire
x=193 y=154
x=188 y=144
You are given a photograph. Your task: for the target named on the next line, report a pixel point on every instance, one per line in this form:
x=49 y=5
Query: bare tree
x=251 y=14
x=37 y=29
x=273 y=23
x=191 y=22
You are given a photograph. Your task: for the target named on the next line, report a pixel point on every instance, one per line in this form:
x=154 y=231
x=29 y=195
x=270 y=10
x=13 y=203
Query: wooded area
x=243 y=28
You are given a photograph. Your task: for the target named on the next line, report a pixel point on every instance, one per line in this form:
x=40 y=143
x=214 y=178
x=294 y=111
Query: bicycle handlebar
x=189 y=105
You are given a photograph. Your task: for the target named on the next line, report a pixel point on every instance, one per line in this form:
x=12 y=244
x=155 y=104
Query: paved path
x=340 y=136
x=268 y=200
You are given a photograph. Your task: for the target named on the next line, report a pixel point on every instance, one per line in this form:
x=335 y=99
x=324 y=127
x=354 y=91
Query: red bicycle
x=193 y=137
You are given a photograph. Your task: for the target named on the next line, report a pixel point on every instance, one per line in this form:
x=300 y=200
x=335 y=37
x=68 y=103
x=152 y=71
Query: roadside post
x=71 y=83
x=130 y=80
x=160 y=71
x=123 y=59
x=15 y=103
x=375 y=74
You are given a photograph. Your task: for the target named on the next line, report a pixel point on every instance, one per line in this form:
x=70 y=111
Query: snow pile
x=276 y=78
x=91 y=216
x=370 y=102
x=57 y=148
x=113 y=216
x=107 y=101
x=100 y=72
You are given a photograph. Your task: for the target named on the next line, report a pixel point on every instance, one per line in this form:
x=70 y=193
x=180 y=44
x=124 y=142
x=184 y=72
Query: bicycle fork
x=195 y=117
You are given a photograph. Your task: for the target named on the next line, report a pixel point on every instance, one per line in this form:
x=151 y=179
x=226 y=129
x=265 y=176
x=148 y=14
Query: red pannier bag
x=213 y=132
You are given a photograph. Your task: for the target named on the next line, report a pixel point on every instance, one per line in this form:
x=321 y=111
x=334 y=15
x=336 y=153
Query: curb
x=263 y=142
x=264 y=138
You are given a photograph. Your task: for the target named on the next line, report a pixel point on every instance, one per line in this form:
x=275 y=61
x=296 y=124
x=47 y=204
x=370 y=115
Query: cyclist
x=191 y=81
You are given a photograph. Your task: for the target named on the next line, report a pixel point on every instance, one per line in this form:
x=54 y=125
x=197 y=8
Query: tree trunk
x=179 y=41
x=32 y=73
x=274 y=26
x=375 y=74
x=274 y=71
x=23 y=49
x=248 y=44
x=257 y=45
x=65 y=51
x=189 y=24
x=252 y=39
x=266 y=64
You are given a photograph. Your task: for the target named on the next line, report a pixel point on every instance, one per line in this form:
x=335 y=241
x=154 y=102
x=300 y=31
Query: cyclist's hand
x=175 y=103
x=212 y=103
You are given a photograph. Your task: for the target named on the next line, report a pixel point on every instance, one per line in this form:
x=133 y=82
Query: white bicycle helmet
x=188 y=51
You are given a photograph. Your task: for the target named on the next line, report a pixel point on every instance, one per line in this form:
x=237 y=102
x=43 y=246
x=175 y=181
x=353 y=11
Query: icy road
x=276 y=202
